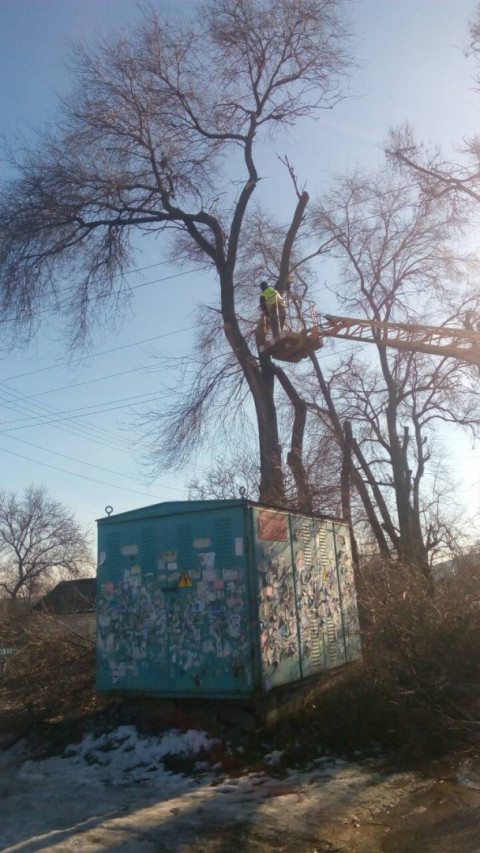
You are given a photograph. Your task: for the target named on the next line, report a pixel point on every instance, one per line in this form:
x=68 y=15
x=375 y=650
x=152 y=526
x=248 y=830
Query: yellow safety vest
x=272 y=297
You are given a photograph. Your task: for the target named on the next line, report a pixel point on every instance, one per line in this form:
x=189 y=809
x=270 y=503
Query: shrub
x=418 y=688
x=47 y=672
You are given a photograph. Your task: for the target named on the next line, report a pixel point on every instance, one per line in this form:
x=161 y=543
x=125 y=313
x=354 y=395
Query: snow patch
x=120 y=758
x=274 y=757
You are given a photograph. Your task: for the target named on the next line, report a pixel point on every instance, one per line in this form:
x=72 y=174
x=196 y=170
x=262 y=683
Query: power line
x=93 y=409
x=68 y=363
x=74 y=474
x=81 y=462
x=101 y=296
x=97 y=408
x=69 y=414
x=171 y=261
x=83 y=430
x=85 y=382
x=79 y=429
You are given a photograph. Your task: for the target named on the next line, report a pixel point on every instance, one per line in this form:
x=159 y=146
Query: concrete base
x=245 y=715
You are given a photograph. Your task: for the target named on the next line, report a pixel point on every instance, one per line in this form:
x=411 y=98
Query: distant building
x=73 y=604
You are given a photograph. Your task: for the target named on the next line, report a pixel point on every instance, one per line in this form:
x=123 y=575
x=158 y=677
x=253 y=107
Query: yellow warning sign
x=185 y=581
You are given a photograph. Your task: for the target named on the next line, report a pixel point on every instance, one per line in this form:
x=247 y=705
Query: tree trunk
x=411 y=546
x=261 y=381
x=356 y=476
x=262 y=386
x=346 y=485
x=295 y=454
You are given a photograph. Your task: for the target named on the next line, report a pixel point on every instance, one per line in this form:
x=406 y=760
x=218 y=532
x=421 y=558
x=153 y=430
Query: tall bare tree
x=40 y=543
x=398 y=261
x=158 y=124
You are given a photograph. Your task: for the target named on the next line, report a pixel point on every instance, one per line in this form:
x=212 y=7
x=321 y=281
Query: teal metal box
x=221 y=599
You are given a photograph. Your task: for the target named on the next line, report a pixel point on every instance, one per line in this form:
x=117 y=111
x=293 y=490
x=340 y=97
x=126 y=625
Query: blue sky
x=412 y=67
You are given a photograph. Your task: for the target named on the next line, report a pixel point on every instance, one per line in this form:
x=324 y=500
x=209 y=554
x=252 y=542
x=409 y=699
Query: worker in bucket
x=273 y=307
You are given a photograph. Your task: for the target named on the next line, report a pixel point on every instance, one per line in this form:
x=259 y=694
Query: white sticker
x=238 y=546
x=129 y=550
x=209 y=575
x=230 y=574
x=169 y=556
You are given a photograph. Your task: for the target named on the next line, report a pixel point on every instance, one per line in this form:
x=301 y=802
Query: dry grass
x=417 y=690
x=48 y=674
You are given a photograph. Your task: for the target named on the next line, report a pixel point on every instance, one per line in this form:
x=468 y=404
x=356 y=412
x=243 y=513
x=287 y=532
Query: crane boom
x=462 y=344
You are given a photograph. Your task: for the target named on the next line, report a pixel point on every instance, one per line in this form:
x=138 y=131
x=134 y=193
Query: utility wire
x=77 y=362
x=82 y=462
x=105 y=296
x=74 y=474
x=72 y=385
x=81 y=429
x=69 y=414
x=78 y=428
x=43 y=419
x=107 y=406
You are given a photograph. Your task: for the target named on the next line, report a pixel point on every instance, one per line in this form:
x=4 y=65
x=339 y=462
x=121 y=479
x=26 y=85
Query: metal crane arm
x=462 y=344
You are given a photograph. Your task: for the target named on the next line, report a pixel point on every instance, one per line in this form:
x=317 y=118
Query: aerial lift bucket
x=299 y=336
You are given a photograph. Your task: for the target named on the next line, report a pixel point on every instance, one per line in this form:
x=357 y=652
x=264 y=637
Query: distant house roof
x=77 y=596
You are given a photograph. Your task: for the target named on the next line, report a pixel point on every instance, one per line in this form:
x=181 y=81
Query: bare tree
x=398 y=262
x=237 y=474
x=436 y=175
x=158 y=125
x=228 y=478
x=40 y=543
